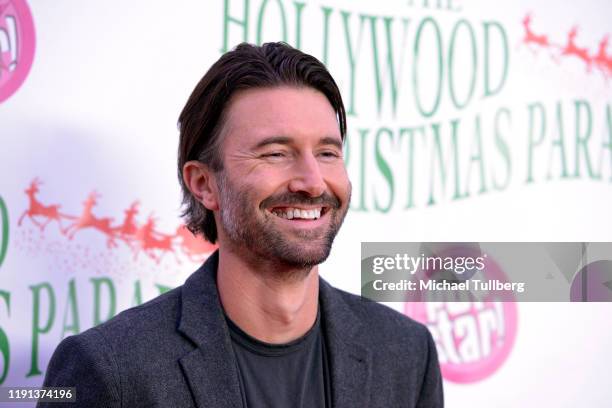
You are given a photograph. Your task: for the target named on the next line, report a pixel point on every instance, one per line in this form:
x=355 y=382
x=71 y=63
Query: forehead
x=300 y=113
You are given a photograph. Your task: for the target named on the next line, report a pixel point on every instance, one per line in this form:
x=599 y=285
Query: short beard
x=261 y=245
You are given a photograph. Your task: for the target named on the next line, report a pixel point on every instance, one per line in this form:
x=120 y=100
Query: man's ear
x=201 y=182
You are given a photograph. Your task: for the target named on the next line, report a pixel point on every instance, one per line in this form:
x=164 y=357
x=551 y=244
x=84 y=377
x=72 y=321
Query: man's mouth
x=295 y=213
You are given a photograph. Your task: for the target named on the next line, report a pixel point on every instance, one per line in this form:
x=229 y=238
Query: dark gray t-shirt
x=294 y=374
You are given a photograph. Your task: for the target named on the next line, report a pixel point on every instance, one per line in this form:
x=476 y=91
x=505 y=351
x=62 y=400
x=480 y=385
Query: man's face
x=284 y=190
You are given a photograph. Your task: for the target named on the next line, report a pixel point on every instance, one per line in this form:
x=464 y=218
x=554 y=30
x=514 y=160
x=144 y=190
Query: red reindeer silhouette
x=602 y=60
x=127 y=230
x=195 y=248
x=38 y=209
x=531 y=38
x=152 y=242
x=572 y=49
x=89 y=220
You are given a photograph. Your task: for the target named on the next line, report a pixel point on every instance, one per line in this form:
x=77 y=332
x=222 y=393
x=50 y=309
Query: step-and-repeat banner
x=469 y=120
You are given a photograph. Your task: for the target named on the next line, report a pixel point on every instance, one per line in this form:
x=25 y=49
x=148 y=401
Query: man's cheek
x=348 y=192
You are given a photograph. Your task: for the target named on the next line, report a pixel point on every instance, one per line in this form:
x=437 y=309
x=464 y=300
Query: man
x=261 y=167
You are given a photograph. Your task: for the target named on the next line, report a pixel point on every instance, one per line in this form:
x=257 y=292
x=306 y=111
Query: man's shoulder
x=400 y=351
x=131 y=356
x=381 y=322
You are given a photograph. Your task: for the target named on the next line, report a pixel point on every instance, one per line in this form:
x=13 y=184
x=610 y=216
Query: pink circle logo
x=17 y=43
x=473 y=339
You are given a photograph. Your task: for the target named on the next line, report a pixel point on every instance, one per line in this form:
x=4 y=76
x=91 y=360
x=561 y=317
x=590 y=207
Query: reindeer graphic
x=153 y=243
x=602 y=60
x=38 y=209
x=139 y=238
x=572 y=49
x=532 y=39
x=88 y=220
x=194 y=248
x=127 y=230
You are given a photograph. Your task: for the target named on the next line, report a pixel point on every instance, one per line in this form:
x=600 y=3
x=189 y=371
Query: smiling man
x=262 y=172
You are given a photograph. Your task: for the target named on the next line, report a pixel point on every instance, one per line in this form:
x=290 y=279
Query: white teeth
x=292 y=213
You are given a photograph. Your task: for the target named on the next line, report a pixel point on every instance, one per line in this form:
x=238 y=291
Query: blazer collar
x=211 y=369
x=350 y=358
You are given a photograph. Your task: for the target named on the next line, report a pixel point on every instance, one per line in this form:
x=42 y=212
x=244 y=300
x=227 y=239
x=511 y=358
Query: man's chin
x=303 y=255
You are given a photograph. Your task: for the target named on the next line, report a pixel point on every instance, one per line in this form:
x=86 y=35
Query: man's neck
x=265 y=306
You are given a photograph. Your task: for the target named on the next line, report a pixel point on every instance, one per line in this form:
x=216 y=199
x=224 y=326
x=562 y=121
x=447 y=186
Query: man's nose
x=307 y=177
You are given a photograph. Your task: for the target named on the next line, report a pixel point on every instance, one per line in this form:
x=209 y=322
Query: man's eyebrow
x=272 y=140
x=328 y=140
x=284 y=140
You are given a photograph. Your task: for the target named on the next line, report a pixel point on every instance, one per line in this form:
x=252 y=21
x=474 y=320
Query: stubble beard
x=253 y=233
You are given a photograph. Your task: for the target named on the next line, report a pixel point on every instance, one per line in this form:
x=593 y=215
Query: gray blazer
x=175 y=351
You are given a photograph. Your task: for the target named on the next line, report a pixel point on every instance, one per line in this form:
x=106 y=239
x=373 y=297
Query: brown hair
x=245 y=67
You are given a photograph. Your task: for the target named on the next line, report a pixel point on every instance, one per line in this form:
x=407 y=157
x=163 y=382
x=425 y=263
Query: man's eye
x=330 y=154
x=273 y=154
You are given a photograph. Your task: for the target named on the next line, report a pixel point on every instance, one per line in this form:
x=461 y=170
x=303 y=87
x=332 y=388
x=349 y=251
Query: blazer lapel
x=350 y=361
x=210 y=369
